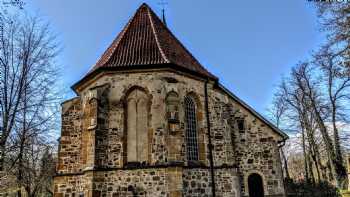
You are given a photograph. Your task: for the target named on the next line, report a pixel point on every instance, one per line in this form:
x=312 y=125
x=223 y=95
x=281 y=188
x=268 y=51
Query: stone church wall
x=93 y=142
x=197 y=182
x=227 y=183
x=254 y=150
x=157 y=87
x=142 y=183
x=71 y=134
x=73 y=185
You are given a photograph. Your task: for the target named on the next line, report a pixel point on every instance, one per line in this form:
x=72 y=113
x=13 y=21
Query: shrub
x=307 y=189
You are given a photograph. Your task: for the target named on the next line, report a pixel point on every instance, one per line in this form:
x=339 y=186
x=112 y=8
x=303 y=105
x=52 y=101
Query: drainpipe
x=211 y=160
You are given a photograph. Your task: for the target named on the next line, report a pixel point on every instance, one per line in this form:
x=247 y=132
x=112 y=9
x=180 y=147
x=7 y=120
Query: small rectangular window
x=240 y=125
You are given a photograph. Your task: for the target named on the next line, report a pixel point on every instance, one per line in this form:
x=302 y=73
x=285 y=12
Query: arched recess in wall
x=137 y=115
x=172 y=110
x=172 y=101
x=255 y=185
x=191 y=129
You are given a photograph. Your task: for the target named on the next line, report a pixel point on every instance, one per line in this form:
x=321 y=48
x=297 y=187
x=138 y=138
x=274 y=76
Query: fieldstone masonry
x=92 y=146
x=93 y=158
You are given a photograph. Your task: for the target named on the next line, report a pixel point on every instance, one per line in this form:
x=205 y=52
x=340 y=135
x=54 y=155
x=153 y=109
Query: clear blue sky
x=248 y=44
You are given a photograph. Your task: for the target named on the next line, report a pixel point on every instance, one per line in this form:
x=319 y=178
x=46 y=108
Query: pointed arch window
x=191 y=129
x=137 y=126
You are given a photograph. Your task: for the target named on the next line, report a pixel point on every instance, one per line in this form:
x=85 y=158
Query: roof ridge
x=178 y=42
x=149 y=13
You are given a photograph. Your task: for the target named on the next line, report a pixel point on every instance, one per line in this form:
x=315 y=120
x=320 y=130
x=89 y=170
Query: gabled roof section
x=246 y=106
x=145 y=40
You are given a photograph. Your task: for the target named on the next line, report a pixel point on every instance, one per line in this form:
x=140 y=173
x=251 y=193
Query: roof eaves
x=98 y=70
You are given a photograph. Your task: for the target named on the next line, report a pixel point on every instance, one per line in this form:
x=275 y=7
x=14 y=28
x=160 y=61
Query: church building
x=149 y=120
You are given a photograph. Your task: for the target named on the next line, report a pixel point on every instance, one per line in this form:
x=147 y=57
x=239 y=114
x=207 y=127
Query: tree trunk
x=339 y=169
x=20 y=177
x=313 y=150
x=2 y=156
x=318 y=171
x=330 y=171
x=22 y=140
x=310 y=168
x=285 y=163
x=20 y=167
x=3 y=143
x=305 y=156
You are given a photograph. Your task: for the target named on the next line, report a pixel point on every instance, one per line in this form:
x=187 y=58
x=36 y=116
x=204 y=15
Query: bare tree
x=315 y=99
x=337 y=85
x=311 y=88
x=277 y=112
x=309 y=105
x=334 y=21
x=28 y=101
x=8 y=4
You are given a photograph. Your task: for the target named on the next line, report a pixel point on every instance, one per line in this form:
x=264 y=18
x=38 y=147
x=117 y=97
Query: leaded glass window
x=191 y=129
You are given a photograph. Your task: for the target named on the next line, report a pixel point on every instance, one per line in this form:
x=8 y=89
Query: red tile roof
x=145 y=40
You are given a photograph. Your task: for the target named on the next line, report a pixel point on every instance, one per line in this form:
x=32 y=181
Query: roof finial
x=163 y=4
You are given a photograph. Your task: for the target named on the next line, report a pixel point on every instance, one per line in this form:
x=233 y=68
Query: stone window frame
x=243 y=122
x=246 y=185
x=90 y=112
x=124 y=100
x=201 y=135
x=241 y=134
x=172 y=98
x=191 y=129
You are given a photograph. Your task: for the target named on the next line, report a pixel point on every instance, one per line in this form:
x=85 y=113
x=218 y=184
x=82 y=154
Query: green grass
x=345 y=193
